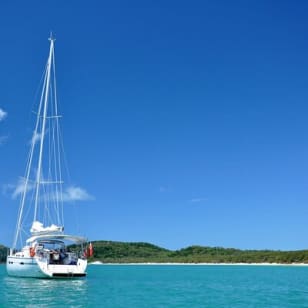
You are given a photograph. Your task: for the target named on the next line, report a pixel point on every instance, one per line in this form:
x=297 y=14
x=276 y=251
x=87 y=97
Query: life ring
x=32 y=252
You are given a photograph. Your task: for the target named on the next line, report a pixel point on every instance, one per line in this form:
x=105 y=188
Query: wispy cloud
x=70 y=194
x=197 y=200
x=7 y=188
x=74 y=193
x=3 y=140
x=3 y=114
x=36 y=137
x=18 y=188
x=163 y=189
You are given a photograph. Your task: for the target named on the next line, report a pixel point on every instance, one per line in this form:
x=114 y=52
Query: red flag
x=90 y=250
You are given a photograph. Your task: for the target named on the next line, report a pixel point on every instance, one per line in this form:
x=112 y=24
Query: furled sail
x=38 y=228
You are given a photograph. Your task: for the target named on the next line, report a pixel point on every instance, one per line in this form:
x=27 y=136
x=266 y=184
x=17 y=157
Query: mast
x=36 y=134
x=42 y=135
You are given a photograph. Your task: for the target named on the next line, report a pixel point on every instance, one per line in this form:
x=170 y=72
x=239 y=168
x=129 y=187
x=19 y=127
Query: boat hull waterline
x=40 y=267
x=29 y=267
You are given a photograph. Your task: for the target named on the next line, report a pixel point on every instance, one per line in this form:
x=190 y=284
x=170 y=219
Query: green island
x=121 y=252
x=125 y=252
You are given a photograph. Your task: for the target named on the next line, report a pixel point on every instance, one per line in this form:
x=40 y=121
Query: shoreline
x=207 y=264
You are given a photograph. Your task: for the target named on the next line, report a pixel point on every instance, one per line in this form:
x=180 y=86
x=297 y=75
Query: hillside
x=119 y=252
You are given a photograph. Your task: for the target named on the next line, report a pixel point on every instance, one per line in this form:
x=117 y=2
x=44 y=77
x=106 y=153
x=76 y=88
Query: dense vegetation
x=120 y=252
x=3 y=253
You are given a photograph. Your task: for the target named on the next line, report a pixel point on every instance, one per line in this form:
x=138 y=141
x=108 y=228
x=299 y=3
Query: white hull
x=23 y=267
x=35 y=267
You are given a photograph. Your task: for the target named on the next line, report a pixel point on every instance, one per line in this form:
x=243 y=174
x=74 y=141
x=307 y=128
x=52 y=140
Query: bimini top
x=71 y=238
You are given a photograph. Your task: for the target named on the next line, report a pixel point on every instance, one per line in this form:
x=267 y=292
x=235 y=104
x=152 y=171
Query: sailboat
x=41 y=248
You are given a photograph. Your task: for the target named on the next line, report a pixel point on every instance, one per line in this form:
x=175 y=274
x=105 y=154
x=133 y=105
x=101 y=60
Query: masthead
x=51 y=37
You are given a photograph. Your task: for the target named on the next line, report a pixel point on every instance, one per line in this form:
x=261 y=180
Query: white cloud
x=3 y=114
x=74 y=193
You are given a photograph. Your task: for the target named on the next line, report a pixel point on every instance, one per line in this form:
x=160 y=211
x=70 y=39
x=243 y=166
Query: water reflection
x=26 y=292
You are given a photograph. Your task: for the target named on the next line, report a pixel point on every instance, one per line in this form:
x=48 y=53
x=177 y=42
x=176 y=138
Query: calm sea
x=163 y=286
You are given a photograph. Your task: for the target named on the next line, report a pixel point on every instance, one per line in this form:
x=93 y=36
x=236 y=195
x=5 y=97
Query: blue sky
x=186 y=122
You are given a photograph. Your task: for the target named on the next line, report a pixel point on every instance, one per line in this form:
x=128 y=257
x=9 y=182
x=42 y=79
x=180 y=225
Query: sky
x=184 y=122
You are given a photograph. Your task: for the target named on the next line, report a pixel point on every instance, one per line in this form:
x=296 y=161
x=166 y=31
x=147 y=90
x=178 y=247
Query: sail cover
x=38 y=228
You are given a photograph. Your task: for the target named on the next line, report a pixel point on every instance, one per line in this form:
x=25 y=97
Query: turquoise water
x=163 y=286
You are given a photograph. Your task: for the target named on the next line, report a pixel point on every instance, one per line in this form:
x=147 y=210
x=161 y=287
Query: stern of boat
x=64 y=270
